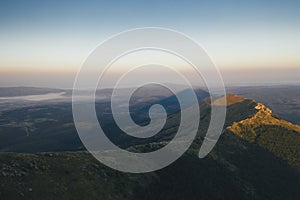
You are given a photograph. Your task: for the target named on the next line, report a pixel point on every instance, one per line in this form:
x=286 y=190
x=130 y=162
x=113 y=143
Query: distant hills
x=26 y=91
x=49 y=126
x=283 y=100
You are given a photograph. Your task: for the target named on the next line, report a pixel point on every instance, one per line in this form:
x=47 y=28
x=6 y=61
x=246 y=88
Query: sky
x=44 y=43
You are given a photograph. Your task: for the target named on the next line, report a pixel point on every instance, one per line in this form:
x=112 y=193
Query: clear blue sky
x=56 y=36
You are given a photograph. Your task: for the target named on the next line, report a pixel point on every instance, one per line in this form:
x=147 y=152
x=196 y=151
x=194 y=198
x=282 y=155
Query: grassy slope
x=235 y=169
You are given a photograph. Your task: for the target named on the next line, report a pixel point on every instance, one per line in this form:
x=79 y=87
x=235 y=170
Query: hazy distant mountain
x=25 y=91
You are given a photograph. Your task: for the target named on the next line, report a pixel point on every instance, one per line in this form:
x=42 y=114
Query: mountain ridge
x=268 y=131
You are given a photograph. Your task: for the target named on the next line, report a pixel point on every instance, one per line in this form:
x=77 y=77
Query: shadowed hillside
x=255 y=158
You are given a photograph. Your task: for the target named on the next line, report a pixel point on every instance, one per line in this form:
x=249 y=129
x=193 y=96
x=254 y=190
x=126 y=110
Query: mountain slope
x=270 y=132
x=250 y=161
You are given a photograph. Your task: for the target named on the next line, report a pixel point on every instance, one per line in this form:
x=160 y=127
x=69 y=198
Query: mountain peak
x=262 y=108
x=230 y=100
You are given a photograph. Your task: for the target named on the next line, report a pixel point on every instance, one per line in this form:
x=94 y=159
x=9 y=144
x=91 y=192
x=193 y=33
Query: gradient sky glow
x=253 y=41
